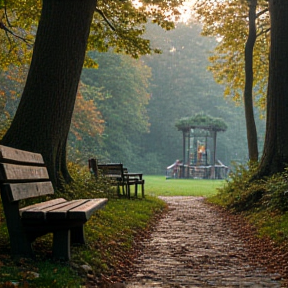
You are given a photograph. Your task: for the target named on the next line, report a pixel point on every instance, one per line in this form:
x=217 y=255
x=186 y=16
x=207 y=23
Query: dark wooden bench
x=119 y=176
x=23 y=175
x=114 y=171
x=134 y=179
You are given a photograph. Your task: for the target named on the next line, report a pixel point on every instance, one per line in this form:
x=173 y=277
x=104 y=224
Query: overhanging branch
x=105 y=18
x=262 y=12
x=263 y=32
x=6 y=15
x=2 y=26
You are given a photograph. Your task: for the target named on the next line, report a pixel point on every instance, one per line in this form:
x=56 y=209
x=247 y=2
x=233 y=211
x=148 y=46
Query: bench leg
x=124 y=190
x=77 y=235
x=136 y=189
x=142 y=189
x=19 y=240
x=61 y=244
x=21 y=246
x=118 y=190
x=128 y=190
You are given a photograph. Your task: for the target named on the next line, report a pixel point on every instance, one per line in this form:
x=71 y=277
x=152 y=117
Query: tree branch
x=6 y=15
x=262 y=12
x=7 y=35
x=2 y=26
x=264 y=31
x=105 y=18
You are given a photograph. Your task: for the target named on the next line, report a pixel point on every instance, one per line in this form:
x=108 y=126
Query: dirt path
x=194 y=246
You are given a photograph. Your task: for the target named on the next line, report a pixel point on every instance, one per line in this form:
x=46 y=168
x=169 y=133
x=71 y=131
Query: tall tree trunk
x=275 y=154
x=43 y=118
x=248 y=91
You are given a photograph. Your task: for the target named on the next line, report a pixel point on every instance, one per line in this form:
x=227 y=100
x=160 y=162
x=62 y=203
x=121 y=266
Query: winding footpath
x=193 y=246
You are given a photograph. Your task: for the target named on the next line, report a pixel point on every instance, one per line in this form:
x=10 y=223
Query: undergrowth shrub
x=243 y=192
x=276 y=196
x=85 y=185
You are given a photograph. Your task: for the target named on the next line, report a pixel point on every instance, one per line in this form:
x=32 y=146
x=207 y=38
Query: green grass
x=159 y=186
x=38 y=274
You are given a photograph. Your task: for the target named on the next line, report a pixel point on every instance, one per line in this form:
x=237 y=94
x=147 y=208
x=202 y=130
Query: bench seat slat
x=61 y=209
x=11 y=154
x=9 y=172
x=38 y=211
x=53 y=212
x=85 y=211
x=61 y=212
x=19 y=191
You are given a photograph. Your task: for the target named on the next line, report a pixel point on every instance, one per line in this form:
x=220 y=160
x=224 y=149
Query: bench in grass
x=23 y=175
x=119 y=176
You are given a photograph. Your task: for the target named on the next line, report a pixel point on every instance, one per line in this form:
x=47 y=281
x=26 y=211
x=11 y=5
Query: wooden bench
x=113 y=171
x=134 y=179
x=23 y=175
x=119 y=176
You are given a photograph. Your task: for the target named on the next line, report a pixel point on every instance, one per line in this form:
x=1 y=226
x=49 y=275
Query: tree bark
x=248 y=91
x=43 y=118
x=275 y=154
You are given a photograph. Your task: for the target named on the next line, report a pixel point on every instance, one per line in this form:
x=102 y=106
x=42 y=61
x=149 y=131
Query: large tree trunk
x=43 y=118
x=275 y=154
x=248 y=91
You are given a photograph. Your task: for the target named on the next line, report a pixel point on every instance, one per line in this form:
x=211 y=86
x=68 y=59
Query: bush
x=85 y=185
x=243 y=192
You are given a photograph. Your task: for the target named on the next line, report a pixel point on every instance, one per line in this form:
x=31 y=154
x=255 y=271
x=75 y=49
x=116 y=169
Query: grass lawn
x=159 y=186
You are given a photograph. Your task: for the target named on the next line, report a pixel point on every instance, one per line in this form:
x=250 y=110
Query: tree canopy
x=48 y=99
x=118 y=24
x=228 y=22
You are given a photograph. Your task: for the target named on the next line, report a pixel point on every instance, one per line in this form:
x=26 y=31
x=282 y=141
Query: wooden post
x=188 y=152
x=214 y=155
x=93 y=166
x=184 y=154
x=206 y=160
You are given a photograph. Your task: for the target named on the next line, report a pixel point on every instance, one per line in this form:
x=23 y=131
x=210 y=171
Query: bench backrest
x=22 y=175
x=111 y=169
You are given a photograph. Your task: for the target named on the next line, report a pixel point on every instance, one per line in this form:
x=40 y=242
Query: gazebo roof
x=201 y=121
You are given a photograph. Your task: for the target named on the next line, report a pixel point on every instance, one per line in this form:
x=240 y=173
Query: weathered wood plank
x=8 y=154
x=20 y=191
x=111 y=169
x=85 y=211
x=38 y=211
x=10 y=172
x=61 y=212
x=60 y=209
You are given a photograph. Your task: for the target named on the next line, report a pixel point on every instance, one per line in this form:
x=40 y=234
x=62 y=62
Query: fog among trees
x=140 y=119
x=127 y=108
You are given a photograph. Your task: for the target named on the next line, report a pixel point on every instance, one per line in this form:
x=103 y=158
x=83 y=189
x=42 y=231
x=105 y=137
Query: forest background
x=126 y=109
